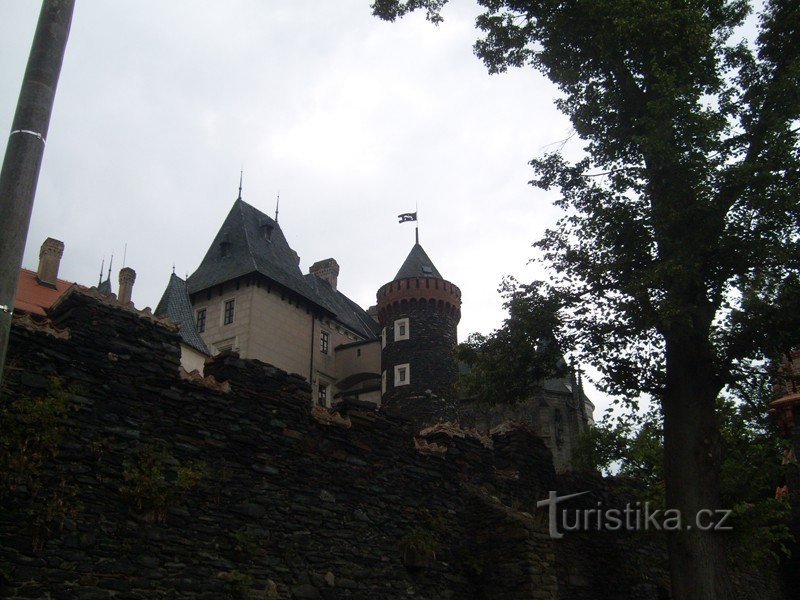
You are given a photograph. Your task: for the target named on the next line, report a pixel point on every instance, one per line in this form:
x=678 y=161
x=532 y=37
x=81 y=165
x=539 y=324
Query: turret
x=419 y=311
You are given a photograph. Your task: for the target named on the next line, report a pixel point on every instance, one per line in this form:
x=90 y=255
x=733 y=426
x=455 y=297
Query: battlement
x=440 y=294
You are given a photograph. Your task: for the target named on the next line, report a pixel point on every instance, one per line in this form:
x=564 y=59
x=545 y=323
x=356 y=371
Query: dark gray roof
x=417 y=264
x=249 y=251
x=104 y=287
x=175 y=306
x=350 y=314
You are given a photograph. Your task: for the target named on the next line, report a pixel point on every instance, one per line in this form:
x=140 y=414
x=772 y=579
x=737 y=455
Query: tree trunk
x=692 y=456
x=25 y=149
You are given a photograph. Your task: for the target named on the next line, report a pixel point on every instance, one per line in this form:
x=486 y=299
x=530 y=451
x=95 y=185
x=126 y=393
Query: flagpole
x=416 y=223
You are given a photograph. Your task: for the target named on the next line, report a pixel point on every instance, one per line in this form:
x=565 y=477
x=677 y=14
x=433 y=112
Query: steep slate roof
x=250 y=252
x=417 y=264
x=175 y=306
x=104 y=287
x=347 y=312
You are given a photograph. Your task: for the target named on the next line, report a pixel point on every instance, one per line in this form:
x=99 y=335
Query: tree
x=681 y=221
x=504 y=366
x=631 y=445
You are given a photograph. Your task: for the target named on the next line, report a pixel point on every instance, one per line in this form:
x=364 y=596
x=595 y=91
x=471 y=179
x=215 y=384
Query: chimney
x=327 y=270
x=372 y=311
x=126 y=278
x=49 y=260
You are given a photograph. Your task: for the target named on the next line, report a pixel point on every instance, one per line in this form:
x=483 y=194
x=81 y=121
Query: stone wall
x=560 y=435
x=124 y=479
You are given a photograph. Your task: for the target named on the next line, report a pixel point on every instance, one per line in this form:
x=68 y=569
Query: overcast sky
x=353 y=120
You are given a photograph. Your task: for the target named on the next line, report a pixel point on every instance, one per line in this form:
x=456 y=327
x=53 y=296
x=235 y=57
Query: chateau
x=249 y=296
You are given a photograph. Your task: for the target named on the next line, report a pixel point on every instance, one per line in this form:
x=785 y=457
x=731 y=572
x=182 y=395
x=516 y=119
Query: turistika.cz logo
x=637 y=517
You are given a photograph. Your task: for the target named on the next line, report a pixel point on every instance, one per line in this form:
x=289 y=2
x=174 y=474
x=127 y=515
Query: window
x=224 y=345
x=401 y=331
x=228 y=312
x=402 y=375
x=324 y=342
x=201 y=320
x=322 y=395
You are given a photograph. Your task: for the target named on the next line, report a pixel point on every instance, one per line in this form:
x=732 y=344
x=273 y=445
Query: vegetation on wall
x=156 y=481
x=31 y=429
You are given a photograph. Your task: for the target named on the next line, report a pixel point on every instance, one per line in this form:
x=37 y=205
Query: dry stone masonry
x=124 y=478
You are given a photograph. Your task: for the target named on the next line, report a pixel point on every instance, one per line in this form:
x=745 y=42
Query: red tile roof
x=33 y=297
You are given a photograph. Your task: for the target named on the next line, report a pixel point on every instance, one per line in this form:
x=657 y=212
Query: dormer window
x=224 y=246
x=427 y=270
x=265 y=231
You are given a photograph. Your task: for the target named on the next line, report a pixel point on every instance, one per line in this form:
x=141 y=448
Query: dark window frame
x=324 y=342
x=229 y=311
x=201 y=320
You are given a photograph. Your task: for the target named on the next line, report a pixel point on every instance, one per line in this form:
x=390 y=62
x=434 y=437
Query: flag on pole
x=407 y=217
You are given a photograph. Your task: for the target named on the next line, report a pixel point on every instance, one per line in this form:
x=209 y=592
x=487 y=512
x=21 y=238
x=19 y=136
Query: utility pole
x=25 y=149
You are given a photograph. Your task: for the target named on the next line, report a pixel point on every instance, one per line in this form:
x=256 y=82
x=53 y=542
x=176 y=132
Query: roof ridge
x=240 y=202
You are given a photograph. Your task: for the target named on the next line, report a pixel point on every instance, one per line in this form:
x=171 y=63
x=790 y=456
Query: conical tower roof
x=175 y=306
x=418 y=264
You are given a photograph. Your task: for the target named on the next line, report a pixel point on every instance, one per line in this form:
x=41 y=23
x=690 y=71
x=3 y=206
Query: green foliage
x=420 y=540
x=632 y=445
x=510 y=363
x=424 y=538
x=239 y=584
x=190 y=475
x=51 y=510
x=31 y=431
x=147 y=483
x=760 y=530
x=676 y=260
x=31 y=428
x=250 y=540
x=474 y=565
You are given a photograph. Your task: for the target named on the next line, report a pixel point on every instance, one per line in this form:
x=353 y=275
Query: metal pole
x=25 y=149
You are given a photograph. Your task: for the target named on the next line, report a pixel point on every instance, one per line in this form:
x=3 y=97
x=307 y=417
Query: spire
x=418 y=264
x=102 y=264
x=111 y=262
x=241 y=174
x=277 y=205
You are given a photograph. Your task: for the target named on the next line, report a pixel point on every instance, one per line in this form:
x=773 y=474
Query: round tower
x=419 y=312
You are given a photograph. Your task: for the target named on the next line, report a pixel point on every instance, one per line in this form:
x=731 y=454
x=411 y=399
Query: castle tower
x=419 y=311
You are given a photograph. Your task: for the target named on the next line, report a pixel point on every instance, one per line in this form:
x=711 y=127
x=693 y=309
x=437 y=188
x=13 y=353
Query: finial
x=173 y=268
x=102 y=264
x=277 y=205
x=124 y=255
x=111 y=262
x=241 y=174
